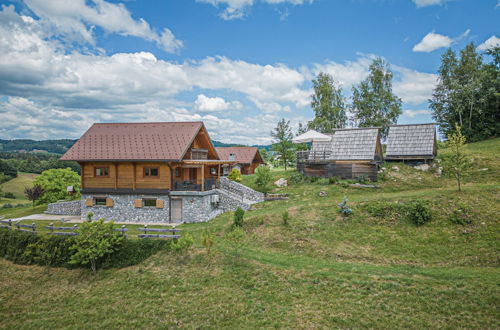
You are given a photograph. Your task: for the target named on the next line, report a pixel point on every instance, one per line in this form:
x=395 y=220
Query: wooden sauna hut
x=351 y=153
x=415 y=143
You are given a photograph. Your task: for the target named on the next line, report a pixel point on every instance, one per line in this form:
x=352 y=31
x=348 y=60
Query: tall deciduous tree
x=55 y=182
x=283 y=146
x=328 y=104
x=468 y=93
x=373 y=102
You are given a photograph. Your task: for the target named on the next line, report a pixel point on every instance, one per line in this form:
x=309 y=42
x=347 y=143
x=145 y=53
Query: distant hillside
x=60 y=146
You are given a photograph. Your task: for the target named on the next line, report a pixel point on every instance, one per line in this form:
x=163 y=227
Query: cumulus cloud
x=235 y=9
x=215 y=104
x=75 y=20
x=414 y=113
x=491 y=42
x=433 y=41
x=425 y=3
x=412 y=86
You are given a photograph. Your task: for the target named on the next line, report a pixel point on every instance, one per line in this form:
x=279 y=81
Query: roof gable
x=243 y=155
x=134 y=141
x=411 y=140
x=349 y=144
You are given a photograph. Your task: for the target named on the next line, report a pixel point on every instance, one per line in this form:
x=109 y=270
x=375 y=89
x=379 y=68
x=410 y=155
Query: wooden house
x=161 y=172
x=411 y=143
x=247 y=159
x=351 y=153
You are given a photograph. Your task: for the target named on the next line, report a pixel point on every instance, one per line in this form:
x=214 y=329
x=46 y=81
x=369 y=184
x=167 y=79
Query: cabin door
x=177 y=210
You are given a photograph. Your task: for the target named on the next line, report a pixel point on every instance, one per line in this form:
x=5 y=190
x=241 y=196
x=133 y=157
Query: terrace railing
x=193 y=185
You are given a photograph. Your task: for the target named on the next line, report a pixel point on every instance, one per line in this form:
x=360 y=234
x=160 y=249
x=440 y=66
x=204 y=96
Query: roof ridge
x=396 y=125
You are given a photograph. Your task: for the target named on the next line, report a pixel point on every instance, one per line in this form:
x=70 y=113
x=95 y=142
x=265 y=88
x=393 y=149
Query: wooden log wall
x=343 y=170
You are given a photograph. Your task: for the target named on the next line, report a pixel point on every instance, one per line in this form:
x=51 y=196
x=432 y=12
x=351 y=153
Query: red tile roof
x=244 y=155
x=134 y=141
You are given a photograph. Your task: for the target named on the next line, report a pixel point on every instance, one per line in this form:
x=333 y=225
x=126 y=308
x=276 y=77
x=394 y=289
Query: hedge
x=14 y=246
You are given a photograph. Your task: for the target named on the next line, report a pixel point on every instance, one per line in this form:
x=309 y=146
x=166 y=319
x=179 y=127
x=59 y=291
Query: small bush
x=207 y=240
x=312 y=179
x=419 y=212
x=7 y=206
x=296 y=178
x=363 y=179
x=263 y=178
x=333 y=180
x=89 y=216
x=10 y=195
x=344 y=184
x=344 y=209
x=286 y=218
x=238 y=217
x=235 y=175
x=462 y=215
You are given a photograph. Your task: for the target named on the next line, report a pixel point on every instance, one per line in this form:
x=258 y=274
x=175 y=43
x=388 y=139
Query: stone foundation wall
x=197 y=207
x=241 y=190
x=65 y=208
x=123 y=209
x=229 y=202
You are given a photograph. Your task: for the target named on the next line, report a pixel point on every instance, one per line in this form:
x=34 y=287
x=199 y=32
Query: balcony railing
x=312 y=155
x=192 y=185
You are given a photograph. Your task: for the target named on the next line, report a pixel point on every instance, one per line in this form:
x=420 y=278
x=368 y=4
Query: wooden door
x=176 y=210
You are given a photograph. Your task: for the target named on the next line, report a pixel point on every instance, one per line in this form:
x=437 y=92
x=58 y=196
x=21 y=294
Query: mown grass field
x=320 y=271
x=16 y=186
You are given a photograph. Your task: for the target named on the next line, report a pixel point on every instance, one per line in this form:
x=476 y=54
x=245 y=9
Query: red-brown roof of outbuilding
x=243 y=155
x=134 y=141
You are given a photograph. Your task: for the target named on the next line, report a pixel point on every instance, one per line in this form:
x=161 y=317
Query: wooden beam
x=135 y=174
x=82 y=171
x=116 y=175
x=202 y=177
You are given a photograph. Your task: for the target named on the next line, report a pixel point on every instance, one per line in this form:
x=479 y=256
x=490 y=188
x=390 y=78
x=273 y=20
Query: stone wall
x=241 y=190
x=65 y=208
x=123 y=209
x=197 y=206
x=230 y=202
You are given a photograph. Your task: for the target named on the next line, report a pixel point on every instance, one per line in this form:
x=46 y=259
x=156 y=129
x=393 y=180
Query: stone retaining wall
x=237 y=188
x=65 y=208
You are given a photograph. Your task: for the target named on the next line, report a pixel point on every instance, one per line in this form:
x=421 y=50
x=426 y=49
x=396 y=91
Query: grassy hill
x=373 y=269
x=16 y=186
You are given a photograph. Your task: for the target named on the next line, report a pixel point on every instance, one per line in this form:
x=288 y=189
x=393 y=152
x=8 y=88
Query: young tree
x=458 y=163
x=301 y=130
x=263 y=177
x=95 y=240
x=283 y=145
x=34 y=193
x=373 y=102
x=54 y=182
x=328 y=104
x=266 y=157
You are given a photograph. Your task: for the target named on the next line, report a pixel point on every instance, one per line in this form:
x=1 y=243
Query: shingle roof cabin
x=249 y=157
x=137 y=141
x=350 y=144
x=411 y=142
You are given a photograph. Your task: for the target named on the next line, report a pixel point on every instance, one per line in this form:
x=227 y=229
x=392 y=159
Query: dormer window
x=232 y=156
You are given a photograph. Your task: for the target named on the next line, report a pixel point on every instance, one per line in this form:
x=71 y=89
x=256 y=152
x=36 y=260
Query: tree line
x=14 y=162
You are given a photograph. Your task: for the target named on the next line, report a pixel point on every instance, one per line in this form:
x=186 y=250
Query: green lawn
x=320 y=271
x=16 y=186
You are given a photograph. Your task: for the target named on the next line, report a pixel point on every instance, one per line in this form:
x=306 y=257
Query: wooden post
x=202 y=177
x=218 y=175
x=82 y=171
x=135 y=174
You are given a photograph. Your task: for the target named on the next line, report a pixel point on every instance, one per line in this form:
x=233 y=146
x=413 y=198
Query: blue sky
x=238 y=65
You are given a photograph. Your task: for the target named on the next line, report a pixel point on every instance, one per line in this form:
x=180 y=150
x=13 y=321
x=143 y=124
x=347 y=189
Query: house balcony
x=196 y=185
x=311 y=156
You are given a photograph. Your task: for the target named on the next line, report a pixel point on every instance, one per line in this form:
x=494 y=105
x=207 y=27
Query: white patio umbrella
x=311 y=136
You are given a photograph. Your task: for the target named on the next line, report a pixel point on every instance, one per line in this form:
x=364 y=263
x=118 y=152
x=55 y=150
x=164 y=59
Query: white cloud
x=75 y=19
x=214 y=104
x=433 y=41
x=492 y=42
x=412 y=86
x=425 y=3
x=235 y=9
x=414 y=113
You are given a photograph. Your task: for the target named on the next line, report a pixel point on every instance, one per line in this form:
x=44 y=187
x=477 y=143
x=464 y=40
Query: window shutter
x=109 y=202
x=138 y=203
x=159 y=203
x=89 y=202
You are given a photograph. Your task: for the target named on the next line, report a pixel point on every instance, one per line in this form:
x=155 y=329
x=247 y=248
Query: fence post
x=123 y=230
x=51 y=227
x=33 y=226
x=10 y=224
x=145 y=229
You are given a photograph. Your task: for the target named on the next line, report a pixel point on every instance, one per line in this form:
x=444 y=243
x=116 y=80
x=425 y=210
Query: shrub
x=312 y=179
x=235 y=175
x=344 y=184
x=7 y=206
x=263 y=178
x=296 y=178
x=285 y=217
x=344 y=209
x=10 y=195
x=323 y=181
x=462 y=215
x=34 y=193
x=333 y=180
x=183 y=243
x=238 y=217
x=89 y=216
x=54 y=183
x=207 y=240
x=95 y=240
x=363 y=179
x=419 y=212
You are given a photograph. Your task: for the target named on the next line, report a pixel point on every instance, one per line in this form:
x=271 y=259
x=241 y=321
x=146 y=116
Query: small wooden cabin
x=247 y=158
x=411 y=143
x=351 y=153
